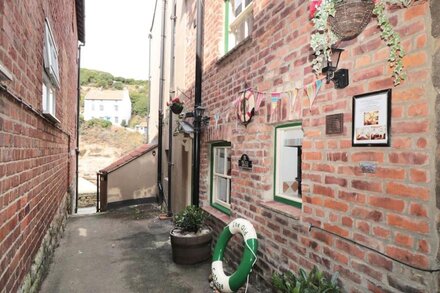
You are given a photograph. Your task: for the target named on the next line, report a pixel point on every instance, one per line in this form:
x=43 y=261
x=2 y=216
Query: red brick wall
x=36 y=158
x=392 y=210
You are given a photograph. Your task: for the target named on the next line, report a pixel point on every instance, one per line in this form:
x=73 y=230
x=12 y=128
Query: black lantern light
x=339 y=77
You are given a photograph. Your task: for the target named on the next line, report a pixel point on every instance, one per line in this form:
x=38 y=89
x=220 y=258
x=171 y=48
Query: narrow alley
x=123 y=250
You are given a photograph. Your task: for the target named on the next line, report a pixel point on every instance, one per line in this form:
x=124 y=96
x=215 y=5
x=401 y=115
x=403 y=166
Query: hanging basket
x=176 y=108
x=351 y=18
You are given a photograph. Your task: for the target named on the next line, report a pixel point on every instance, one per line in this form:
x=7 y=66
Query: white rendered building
x=111 y=105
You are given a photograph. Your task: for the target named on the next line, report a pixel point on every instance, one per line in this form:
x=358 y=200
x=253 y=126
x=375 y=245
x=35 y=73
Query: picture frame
x=372 y=119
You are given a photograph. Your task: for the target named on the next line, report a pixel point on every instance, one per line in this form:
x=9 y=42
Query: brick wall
x=393 y=210
x=36 y=157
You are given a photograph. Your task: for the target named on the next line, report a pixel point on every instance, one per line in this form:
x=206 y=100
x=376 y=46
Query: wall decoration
x=372 y=119
x=244 y=162
x=246 y=107
x=334 y=124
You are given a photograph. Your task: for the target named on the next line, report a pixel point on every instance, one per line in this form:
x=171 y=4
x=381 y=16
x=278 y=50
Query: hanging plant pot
x=351 y=18
x=176 y=108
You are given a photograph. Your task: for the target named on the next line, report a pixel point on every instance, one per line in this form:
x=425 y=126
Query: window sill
x=217 y=214
x=51 y=118
x=281 y=208
x=246 y=40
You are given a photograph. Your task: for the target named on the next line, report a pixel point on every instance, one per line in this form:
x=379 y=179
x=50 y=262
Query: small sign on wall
x=244 y=162
x=334 y=124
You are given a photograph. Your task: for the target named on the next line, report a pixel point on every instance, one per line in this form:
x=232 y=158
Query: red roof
x=136 y=153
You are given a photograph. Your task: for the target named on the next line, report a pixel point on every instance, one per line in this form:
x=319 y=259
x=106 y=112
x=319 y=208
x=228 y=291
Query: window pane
x=222 y=189
x=228 y=163
x=287 y=171
x=220 y=160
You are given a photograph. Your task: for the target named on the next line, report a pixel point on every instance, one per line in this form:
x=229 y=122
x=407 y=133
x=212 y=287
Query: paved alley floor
x=125 y=250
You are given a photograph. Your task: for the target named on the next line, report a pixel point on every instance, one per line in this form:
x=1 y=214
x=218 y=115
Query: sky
x=117 y=37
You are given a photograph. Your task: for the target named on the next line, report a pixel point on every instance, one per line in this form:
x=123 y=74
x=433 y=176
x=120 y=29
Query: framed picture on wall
x=372 y=119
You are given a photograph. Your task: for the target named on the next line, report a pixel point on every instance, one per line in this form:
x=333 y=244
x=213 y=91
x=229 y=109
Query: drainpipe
x=78 y=101
x=150 y=37
x=172 y=93
x=197 y=103
x=160 y=112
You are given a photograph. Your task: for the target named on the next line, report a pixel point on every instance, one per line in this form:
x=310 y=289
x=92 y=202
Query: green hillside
x=138 y=89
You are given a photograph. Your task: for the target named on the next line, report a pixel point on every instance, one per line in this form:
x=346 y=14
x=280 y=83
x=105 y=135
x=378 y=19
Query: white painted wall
x=112 y=110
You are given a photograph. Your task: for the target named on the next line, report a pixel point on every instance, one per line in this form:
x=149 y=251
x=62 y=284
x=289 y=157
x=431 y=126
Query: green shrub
x=124 y=123
x=314 y=282
x=96 y=122
x=190 y=219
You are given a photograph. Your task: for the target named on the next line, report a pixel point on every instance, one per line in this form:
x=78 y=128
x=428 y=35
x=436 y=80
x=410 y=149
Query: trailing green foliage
x=95 y=122
x=314 y=282
x=190 y=219
x=322 y=39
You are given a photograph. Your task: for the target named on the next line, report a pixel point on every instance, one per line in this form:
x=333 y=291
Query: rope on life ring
x=233 y=282
x=246 y=107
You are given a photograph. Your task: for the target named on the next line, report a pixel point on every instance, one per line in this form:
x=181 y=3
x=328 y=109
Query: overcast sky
x=117 y=37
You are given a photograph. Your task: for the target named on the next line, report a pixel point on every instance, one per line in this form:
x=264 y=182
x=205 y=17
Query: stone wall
x=37 y=156
x=392 y=211
x=43 y=258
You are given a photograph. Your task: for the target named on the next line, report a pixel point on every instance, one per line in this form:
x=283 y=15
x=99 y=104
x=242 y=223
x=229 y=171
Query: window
x=48 y=97
x=288 y=149
x=116 y=119
x=51 y=78
x=238 y=22
x=101 y=107
x=221 y=176
x=50 y=56
x=116 y=107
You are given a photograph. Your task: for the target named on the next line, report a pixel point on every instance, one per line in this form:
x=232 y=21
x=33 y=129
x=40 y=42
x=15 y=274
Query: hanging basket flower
x=336 y=20
x=351 y=18
x=175 y=105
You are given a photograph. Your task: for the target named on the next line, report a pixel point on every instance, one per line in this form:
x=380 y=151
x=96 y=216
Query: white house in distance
x=111 y=105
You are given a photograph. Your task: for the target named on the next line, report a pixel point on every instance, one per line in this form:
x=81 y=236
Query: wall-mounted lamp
x=339 y=77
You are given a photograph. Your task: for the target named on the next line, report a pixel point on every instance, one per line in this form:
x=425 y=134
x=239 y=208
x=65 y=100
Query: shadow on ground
x=125 y=250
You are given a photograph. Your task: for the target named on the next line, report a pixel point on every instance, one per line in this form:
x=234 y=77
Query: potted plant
x=175 y=105
x=315 y=281
x=329 y=28
x=190 y=239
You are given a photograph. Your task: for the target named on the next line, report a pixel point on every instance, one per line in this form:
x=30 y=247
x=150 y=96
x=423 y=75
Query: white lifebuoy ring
x=233 y=282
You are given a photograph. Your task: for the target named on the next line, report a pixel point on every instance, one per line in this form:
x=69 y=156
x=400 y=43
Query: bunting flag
x=277 y=107
x=216 y=119
x=258 y=101
x=274 y=109
x=293 y=97
x=312 y=91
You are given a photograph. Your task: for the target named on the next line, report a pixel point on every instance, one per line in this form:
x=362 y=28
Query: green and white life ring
x=233 y=282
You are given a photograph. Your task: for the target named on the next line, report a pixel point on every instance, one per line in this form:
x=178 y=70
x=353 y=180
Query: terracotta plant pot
x=190 y=249
x=176 y=108
x=351 y=18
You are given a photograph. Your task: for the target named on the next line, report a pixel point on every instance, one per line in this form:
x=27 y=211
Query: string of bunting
x=275 y=99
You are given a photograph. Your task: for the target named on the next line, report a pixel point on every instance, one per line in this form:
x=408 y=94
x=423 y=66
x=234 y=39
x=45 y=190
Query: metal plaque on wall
x=334 y=124
x=244 y=162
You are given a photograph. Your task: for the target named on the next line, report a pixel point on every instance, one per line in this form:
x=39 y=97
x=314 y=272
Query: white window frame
x=51 y=80
x=232 y=22
x=215 y=201
x=50 y=58
x=281 y=141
